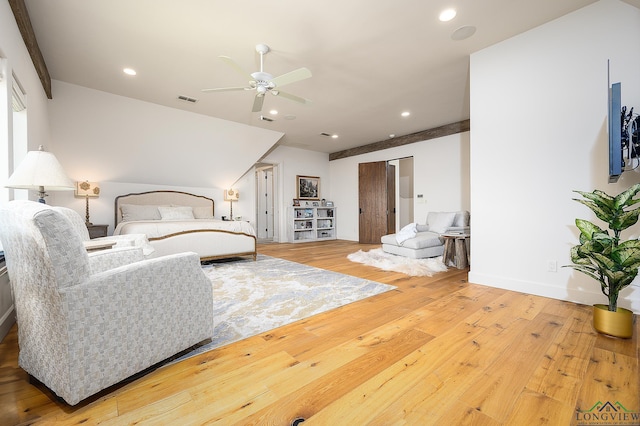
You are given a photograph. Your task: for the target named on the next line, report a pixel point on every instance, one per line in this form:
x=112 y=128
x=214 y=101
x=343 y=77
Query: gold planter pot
x=617 y=324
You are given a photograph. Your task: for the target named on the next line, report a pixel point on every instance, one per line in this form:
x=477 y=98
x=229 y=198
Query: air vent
x=187 y=99
x=263 y=118
x=325 y=134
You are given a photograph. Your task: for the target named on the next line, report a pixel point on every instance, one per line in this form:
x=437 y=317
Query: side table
x=455 y=250
x=96 y=231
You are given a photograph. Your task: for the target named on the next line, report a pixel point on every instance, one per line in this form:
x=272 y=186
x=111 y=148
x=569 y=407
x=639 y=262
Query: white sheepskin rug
x=391 y=262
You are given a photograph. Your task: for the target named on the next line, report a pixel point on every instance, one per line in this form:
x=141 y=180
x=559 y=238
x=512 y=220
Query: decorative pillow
x=176 y=213
x=131 y=212
x=203 y=212
x=461 y=219
x=440 y=221
x=422 y=228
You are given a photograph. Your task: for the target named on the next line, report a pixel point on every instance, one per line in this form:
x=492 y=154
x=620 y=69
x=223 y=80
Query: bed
x=177 y=221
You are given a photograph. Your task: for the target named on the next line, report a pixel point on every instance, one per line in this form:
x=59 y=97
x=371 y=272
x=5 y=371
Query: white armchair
x=130 y=240
x=84 y=325
x=425 y=240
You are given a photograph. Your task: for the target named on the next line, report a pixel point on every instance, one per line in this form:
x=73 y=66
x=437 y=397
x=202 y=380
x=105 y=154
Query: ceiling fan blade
x=293 y=97
x=226 y=89
x=233 y=64
x=257 y=103
x=291 y=77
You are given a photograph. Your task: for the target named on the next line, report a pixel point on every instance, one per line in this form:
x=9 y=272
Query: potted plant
x=606 y=258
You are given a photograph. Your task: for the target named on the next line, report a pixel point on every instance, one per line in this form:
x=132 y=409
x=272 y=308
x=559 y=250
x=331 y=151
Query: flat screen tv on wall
x=616 y=163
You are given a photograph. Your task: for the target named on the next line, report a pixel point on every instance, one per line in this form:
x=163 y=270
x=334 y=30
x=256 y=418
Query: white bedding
x=161 y=228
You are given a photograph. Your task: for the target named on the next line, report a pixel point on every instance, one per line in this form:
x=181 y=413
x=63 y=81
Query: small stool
x=455 y=250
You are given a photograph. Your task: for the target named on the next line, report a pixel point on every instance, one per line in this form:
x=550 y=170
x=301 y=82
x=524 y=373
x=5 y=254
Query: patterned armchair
x=129 y=240
x=86 y=322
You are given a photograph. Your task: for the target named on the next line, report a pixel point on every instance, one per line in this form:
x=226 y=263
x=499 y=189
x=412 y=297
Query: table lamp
x=40 y=171
x=231 y=195
x=87 y=190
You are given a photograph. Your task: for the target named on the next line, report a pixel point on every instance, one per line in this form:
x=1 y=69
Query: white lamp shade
x=40 y=169
x=231 y=195
x=87 y=189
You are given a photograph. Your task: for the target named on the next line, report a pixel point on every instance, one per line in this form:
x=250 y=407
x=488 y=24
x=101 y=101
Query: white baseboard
x=629 y=297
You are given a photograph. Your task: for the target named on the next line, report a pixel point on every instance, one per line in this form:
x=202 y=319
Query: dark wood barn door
x=376 y=201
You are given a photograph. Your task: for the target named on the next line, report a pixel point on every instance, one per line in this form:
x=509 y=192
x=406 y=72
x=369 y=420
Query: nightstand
x=96 y=231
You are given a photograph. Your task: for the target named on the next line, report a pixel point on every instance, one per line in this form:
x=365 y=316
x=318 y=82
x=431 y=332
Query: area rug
x=405 y=265
x=252 y=297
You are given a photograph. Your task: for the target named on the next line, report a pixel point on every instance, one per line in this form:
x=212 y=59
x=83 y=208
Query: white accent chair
x=89 y=321
x=426 y=240
x=129 y=240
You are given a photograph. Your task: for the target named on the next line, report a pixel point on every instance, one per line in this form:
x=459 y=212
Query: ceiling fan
x=263 y=82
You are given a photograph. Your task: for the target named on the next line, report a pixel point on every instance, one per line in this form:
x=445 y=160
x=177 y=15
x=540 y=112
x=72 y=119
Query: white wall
x=539 y=131
x=105 y=137
x=291 y=163
x=441 y=174
x=131 y=146
x=19 y=62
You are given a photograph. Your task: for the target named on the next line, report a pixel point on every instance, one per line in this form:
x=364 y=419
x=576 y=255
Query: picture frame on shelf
x=315 y=204
x=308 y=187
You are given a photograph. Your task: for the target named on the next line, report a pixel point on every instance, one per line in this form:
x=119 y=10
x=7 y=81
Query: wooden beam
x=24 y=25
x=437 y=132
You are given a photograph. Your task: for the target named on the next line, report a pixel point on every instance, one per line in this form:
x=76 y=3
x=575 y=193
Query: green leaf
x=627 y=254
x=623 y=199
x=605 y=263
x=602 y=199
x=603 y=214
x=585 y=270
x=588 y=228
x=625 y=220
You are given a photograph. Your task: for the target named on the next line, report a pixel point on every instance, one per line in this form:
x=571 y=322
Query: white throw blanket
x=409 y=231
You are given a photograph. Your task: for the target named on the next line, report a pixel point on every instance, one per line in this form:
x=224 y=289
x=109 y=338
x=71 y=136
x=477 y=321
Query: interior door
x=373 y=201
x=265 y=216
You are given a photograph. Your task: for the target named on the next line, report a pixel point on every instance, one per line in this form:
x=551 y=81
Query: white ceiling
x=370 y=59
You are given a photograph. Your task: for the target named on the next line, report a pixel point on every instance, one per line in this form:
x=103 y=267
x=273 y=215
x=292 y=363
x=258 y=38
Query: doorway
x=385 y=197
x=266 y=194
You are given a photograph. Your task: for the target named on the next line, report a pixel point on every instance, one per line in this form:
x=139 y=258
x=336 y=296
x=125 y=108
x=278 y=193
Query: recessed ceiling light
x=129 y=71
x=405 y=114
x=392 y=135
x=273 y=112
x=447 y=15
x=334 y=136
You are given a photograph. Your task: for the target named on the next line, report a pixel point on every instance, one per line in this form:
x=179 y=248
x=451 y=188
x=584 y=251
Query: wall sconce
x=86 y=190
x=231 y=195
x=38 y=171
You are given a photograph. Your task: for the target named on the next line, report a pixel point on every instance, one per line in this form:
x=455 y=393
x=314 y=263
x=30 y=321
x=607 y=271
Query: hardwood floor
x=435 y=351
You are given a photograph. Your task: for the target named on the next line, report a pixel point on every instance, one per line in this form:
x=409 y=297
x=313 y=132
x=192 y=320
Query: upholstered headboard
x=162 y=198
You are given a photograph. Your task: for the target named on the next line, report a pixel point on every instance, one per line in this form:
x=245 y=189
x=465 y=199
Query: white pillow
x=176 y=213
x=440 y=221
x=462 y=218
x=203 y=212
x=132 y=212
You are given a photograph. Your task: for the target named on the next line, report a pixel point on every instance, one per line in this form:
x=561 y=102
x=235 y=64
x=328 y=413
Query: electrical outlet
x=552 y=266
